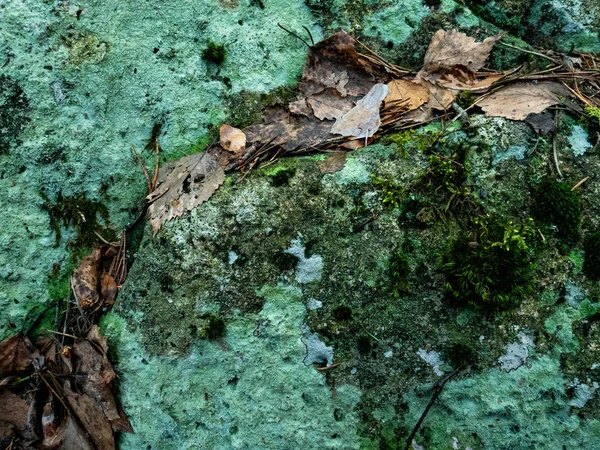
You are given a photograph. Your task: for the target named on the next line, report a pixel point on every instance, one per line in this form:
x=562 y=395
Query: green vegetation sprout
x=491 y=267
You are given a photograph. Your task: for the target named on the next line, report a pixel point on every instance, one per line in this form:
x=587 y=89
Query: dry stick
x=580 y=183
x=438 y=387
x=554 y=149
x=531 y=52
x=139 y=158
x=293 y=34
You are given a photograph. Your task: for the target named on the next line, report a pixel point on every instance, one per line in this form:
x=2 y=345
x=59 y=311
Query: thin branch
x=293 y=34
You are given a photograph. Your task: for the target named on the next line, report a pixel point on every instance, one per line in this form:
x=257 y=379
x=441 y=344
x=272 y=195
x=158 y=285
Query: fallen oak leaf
x=67 y=436
x=363 y=120
x=183 y=185
x=518 y=100
x=232 y=139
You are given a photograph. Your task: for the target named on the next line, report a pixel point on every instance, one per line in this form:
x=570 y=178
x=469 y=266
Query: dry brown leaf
x=108 y=289
x=449 y=49
x=363 y=120
x=16 y=354
x=67 y=436
x=183 y=185
x=290 y=133
x=232 y=139
x=439 y=97
x=469 y=81
x=91 y=417
x=335 y=63
x=519 y=100
x=406 y=93
x=13 y=415
x=85 y=280
x=330 y=105
x=333 y=163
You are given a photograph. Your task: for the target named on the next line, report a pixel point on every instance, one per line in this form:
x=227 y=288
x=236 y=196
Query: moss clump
x=591 y=263
x=13 y=113
x=399 y=270
x=490 y=267
x=214 y=53
x=213 y=328
x=81 y=213
x=557 y=205
x=392 y=194
x=342 y=313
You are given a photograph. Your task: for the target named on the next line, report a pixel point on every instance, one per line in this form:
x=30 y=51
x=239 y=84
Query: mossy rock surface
x=228 y=312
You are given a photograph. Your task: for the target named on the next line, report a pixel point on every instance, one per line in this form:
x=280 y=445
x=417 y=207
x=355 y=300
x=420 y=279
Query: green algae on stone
x=81 y=84
x=397 y=22
x=251 y=389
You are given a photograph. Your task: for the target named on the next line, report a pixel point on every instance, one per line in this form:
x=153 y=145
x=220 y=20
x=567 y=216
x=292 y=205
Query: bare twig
x=554 y=148
x=293 y=34
x=580 y=183
x=437 y=390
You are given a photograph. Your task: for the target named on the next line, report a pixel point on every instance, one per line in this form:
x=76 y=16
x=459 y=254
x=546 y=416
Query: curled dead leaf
x=405 y=93
x=232 y=139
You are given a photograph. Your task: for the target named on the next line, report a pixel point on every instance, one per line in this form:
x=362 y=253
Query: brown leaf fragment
x=182 y=186
x=85 y=280
x=354 y=144
x=68 y=436
x=16 y=354
x=330 y=105
x=108 y=289
x=518 y=100
x=232 y=139
x=91 y=417
x=290 y=133
x=335 y=63
x=333 y=163
x=13 y=415
x=439 y=97
x=450 y=49
x=404 y=93
x=300 y=107
x=362 y=120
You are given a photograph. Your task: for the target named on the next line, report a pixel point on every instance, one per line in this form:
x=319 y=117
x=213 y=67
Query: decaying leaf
x=333 y=163
x=363 y=120
x=407 y=93
x=16 y=354
x=335 y=63
x=232 y=139
x=518 y=100
x=85 y=280
x=108 y=288
x=183 y=185
x=330 y=105
x=13 y=415
x=542 y=124
x=91 y=417
x=450 y=50
x=289 y=133
x=67 y=436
